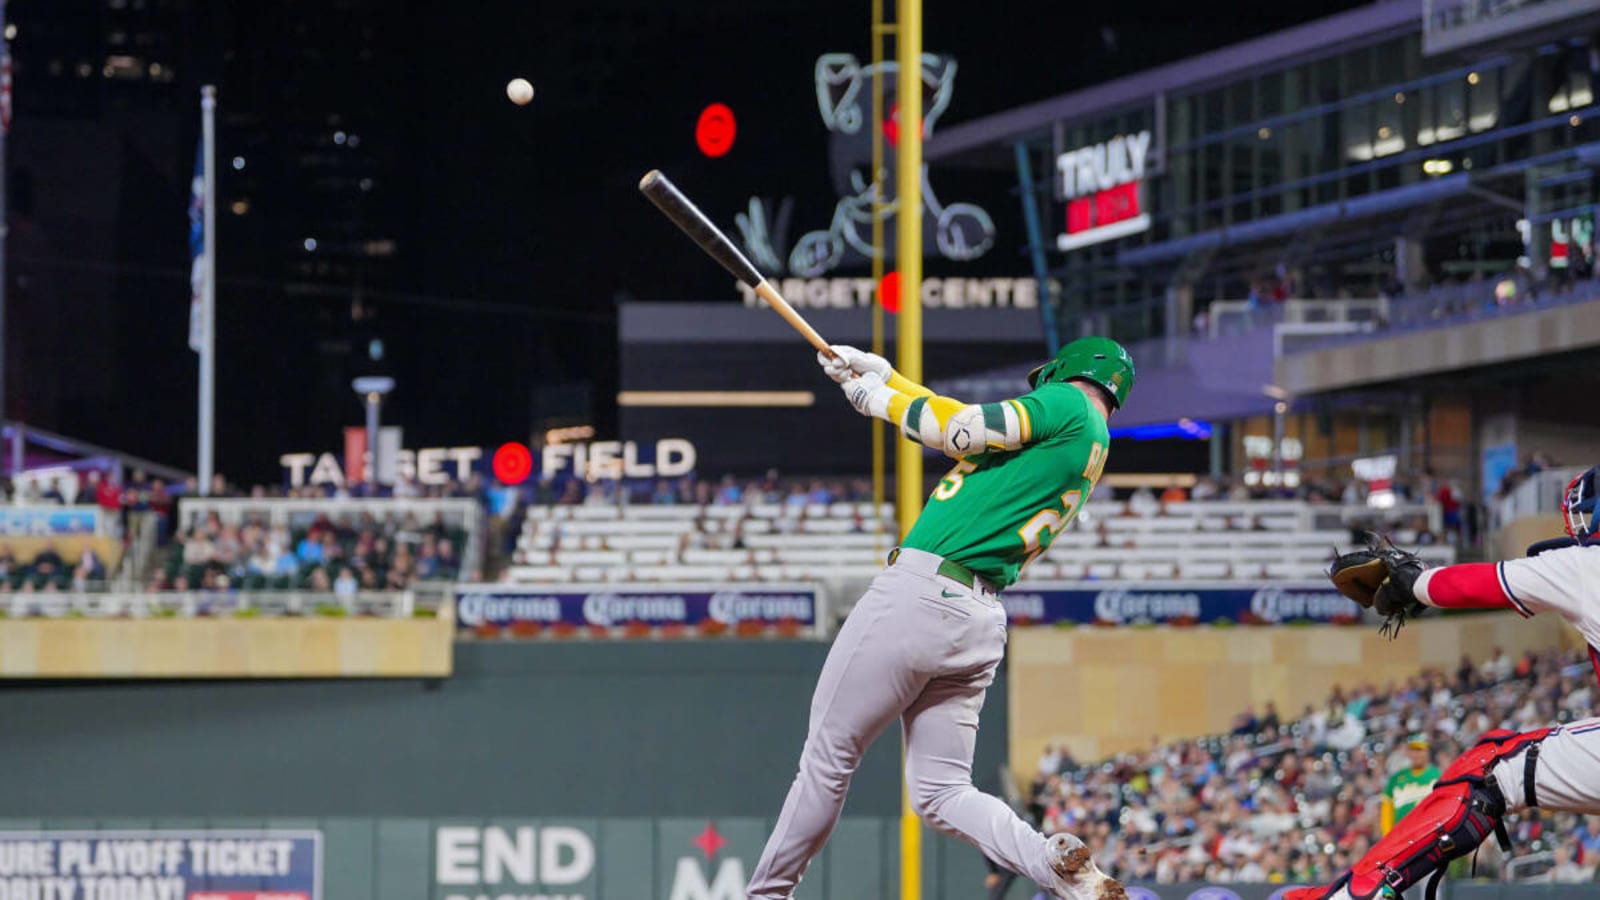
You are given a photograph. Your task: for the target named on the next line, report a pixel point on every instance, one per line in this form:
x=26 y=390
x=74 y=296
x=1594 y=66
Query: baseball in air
x=520 y=91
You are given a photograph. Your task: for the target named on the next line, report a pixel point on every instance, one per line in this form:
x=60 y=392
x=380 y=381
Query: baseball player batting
x=1552 y=768
x=923 y=643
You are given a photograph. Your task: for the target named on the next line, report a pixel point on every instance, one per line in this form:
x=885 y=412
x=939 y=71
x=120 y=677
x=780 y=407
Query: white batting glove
x=847 y=360
x=836 y=367
x=867 y=393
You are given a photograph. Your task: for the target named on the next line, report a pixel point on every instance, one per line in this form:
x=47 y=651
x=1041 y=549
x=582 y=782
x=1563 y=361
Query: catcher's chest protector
x=1464 y=808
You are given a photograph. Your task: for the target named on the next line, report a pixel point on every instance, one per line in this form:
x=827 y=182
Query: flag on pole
x=197 y=251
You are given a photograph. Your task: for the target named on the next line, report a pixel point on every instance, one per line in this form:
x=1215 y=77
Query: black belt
x=955 y=572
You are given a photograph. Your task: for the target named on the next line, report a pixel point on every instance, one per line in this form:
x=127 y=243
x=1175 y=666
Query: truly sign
x=1102 y=186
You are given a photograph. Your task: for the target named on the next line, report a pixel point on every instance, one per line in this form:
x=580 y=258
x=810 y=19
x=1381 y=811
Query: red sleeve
x=1466 y=586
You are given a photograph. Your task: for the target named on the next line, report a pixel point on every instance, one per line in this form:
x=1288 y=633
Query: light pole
x=371 y=389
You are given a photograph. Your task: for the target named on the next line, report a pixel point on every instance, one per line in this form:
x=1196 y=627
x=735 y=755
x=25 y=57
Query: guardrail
x=1541 y=494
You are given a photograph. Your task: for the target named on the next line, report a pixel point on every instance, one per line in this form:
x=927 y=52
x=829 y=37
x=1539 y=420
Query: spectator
x=47 y=565
x=286 y=564
x=1566 y=870
x=310 y=549
x=8 y=563
x=447 y=568
x=797 y=497
x=1498 y=667
x=318 y=581
x=1174 y=493
x=664 y=495
x=105 y=493
x=1049 y=762
x=346 y=584
x=728 y=492
x=427 y=560
x=1587 y=835
x=1408 y=786
x=1345 y=732
x=1269 y=719
x=90 y=568
x=1143 y=502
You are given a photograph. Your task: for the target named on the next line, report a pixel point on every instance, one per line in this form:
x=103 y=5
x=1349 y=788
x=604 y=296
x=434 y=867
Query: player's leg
x=941 y=732
x=1563 y=771
x=865 y=683
x=1468 y=803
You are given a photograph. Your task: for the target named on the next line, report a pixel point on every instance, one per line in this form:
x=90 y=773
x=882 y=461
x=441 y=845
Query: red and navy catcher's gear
x=1578 y=507
x=1464 y=808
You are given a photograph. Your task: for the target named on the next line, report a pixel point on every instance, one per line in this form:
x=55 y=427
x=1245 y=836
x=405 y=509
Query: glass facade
x=1285 y=150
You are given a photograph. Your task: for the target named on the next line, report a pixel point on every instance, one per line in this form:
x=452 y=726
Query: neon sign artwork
x=960 y=231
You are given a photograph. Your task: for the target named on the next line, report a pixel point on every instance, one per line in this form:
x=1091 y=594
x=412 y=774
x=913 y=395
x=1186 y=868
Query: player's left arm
x=946 y=424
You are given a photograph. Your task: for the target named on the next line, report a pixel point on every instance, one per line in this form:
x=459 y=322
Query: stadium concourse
x=1296 y=802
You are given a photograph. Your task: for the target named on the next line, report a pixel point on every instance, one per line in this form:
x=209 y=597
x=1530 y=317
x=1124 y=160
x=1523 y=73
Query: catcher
x=1553 y=768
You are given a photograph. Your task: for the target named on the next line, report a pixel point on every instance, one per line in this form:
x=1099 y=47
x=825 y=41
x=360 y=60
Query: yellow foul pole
x=908 y=241
x=880 y=30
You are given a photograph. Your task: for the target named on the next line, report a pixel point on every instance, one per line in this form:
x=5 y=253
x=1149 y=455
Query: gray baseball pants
x=922 y=648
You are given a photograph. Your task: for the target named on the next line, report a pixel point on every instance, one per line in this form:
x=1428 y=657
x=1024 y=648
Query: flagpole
x=208 y=290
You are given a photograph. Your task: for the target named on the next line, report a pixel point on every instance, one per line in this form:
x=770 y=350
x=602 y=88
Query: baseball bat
x=691 y=221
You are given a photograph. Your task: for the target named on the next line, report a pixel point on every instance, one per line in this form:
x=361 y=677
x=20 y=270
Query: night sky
x=515 y=229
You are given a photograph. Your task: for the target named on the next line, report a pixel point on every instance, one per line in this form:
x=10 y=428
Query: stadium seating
x=1206 y=541
x=308 y=544
x=1297 y=801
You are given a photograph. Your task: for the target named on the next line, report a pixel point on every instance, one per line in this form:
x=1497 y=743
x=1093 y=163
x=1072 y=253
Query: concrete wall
x=227 y=647
x=1104 y=691
x=687 y=731
x=1501 y=339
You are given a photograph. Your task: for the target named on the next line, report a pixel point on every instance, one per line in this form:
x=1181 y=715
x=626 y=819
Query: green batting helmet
x=1097 y=359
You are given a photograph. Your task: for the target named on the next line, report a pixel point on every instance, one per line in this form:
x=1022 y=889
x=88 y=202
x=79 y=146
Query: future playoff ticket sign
x=160 y=865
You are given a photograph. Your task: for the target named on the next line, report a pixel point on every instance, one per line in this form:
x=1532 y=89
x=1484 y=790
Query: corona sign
x=1103 y=187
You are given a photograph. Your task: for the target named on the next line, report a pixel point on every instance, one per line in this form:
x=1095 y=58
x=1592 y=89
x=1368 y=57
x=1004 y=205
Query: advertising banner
x=161 y=865
x=1176 y=603
x=656 y=606
x=48 y=521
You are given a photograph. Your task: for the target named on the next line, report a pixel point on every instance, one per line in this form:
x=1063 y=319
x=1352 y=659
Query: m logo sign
x=689 y=881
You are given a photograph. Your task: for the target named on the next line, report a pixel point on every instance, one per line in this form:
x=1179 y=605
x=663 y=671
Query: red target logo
x=715 y=130
x=512 y=464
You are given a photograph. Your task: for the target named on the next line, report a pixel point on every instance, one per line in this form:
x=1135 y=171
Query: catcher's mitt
x=1380 y=578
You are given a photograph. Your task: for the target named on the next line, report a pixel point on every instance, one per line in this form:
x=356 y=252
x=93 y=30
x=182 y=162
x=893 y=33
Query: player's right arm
x=1554 y=581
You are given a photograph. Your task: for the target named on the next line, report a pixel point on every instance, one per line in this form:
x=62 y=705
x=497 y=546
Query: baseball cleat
x=1078 y=878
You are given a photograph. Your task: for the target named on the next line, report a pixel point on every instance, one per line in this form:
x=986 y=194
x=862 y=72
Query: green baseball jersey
x=1407 y=788
x=997 y=511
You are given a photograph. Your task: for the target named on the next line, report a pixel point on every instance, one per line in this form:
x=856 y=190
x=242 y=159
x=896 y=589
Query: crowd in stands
x=220 y=555
x=48 y=572
x=1298 y=801
x=339 y=554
